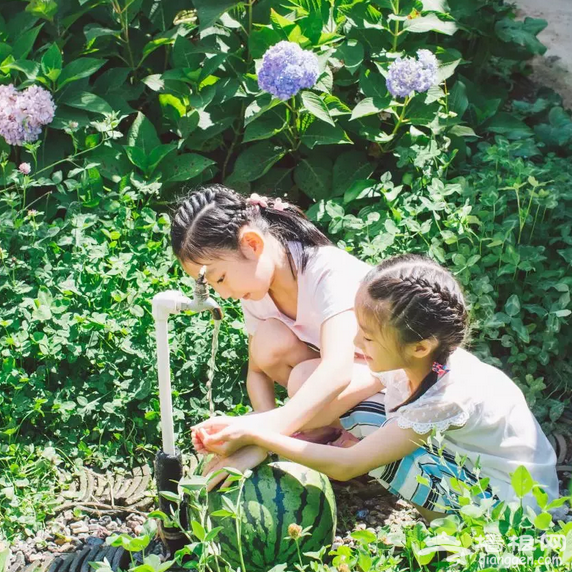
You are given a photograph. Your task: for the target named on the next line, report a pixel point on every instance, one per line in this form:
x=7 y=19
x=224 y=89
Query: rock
x=79 y=527
x=67 y=547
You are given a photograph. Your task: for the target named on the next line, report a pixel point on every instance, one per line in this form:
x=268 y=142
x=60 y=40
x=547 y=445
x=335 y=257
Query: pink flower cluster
x=24 y=113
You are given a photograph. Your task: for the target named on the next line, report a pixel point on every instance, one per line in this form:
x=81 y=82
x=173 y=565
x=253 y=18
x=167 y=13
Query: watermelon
x=277 y=494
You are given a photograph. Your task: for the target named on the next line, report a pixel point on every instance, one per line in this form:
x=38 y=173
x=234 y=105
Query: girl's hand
x=210 y=426
x=228 y=440
x=246 y=458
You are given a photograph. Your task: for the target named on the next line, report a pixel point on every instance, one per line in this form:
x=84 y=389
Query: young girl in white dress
x=297 y=291
x=412 y=323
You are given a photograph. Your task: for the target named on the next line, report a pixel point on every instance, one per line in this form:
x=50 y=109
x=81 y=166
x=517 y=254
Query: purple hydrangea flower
x=24 y=113
x=25 y=168
x=407 y=75
x=286 y=69
x=428 y=72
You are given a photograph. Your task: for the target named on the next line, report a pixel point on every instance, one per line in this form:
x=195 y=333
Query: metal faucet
x=174 y=301
x=201 y=300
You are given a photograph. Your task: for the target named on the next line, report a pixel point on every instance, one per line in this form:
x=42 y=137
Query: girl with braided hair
x=412 y=323
x=297 y=292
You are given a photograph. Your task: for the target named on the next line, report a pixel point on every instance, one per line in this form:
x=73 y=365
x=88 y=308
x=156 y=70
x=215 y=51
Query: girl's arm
x=328 y=380
x=386 y=445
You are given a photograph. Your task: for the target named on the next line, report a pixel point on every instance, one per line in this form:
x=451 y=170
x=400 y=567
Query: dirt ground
x=555 y=67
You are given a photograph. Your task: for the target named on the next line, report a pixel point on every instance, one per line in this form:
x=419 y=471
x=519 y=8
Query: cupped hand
x=247 y=458
x=224 y=440
x=209 y=427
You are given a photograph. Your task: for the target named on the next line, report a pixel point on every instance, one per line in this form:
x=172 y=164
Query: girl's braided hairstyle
x=209 y=219
x=420 y=300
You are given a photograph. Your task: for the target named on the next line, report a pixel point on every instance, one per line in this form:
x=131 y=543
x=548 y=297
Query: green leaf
x=512 y=306
x=151 y=46
x=23 y=45
x=52 y=61
x=173 y=497
x=368 y=106
x=429 y=23
x=522 y=33
x=522 y=481
x=316 y=106
x=322 y=134
x=349 y=167
x=265 y=127
x=314 y=176
x=509 y=126
x=372 y=84
x=462 y=131
x=260 y=40
x=259 y=106
x=541 y=497
x=143 y=134
x=255 y=161
x=4 y=556
x=198 y=530
x=435 y=6
x=78 y=69
x=458 y=100
x=92 y=31
x=351 y=54
x=46 y=9
x=88 y=102
x=137 y=156
x=558 y=131
x=184 y=167
x=158 y=154
x=209 y=11
x=543 y=521
x=185 y=54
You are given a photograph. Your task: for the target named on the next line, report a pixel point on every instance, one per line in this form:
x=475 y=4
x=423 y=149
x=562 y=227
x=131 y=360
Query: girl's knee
x=272 y=342
x=299 y=374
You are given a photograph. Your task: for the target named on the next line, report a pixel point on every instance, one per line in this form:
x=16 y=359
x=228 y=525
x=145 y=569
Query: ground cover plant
x=389 y=140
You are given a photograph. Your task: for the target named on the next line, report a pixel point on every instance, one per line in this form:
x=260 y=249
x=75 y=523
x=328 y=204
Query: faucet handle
x=169 y=302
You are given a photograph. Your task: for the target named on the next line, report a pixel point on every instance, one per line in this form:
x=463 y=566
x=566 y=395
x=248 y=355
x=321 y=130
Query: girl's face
x=380 y=347
x=247 y=274
x=379 y=344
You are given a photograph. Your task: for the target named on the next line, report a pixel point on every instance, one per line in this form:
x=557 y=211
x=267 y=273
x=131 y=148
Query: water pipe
x=168 y=461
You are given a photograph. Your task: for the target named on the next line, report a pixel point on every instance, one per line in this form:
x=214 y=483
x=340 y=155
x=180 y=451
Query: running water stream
x=212 y=366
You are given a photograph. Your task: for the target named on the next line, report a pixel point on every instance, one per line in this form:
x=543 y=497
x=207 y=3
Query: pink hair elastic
x=439 y=369
x=256 y=200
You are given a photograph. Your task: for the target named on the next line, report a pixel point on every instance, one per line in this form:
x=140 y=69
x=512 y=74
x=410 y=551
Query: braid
x=209 y=220
x=423 y=301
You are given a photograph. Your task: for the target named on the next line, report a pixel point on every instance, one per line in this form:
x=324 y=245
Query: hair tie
x=279 y=204
x=439 y=369
x=256 y=200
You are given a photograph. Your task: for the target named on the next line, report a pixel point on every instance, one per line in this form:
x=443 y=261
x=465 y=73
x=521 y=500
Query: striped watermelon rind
x=277 y=494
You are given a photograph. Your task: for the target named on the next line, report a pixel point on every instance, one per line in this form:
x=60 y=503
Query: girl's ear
x=424 y=348
x=251 y=243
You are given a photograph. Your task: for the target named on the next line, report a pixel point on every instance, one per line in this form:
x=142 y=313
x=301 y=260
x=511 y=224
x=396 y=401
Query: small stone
x=94 y=541
x=61 y=540
x=82 y=529
x=362 y=513
x=36 y=557
x=112 y=526
x=68 y=547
